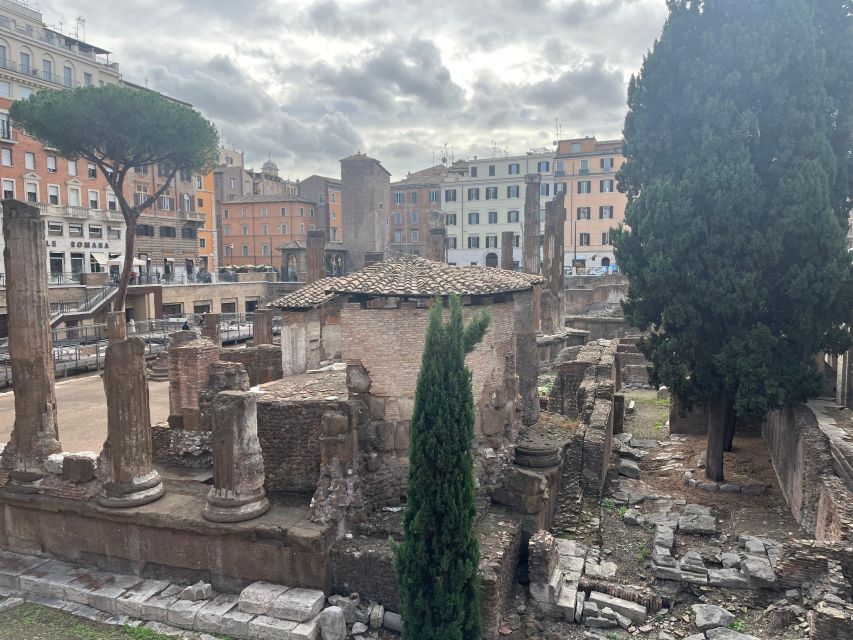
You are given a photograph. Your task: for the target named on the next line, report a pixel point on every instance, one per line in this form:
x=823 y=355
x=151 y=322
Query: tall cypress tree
x=738 y=152
x=437 y=561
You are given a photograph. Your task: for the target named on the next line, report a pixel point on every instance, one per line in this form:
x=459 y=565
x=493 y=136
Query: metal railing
x=56 y=278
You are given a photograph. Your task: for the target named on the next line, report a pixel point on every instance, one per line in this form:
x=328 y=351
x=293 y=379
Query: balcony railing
x=56 y=278
x=6 y=132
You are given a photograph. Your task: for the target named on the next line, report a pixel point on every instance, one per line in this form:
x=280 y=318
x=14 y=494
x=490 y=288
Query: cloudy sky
x=309 y=82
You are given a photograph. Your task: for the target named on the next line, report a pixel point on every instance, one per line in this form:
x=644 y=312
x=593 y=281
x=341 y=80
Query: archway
x=605 y=262
x=491 y=259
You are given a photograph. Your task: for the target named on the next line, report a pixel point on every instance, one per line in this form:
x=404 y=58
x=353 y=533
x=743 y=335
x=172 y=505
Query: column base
x=24 y=481
x=228 y=506
x=142 y=490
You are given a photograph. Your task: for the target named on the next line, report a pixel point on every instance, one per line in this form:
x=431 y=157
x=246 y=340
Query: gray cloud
x=310 y=81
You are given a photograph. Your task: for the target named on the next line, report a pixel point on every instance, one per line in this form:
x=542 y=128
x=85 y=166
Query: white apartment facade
x=482 y=198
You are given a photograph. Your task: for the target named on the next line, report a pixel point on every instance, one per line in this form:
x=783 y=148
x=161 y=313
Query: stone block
x=12 y=565
x=182 y=613
x=697 y=523
x=385 y=435
x=267 y=628
x=130 y=602
x=156 y=608
x=49 y=579
x=664 y=536
x=709 y=616
x=298 y=605
x=731 y=578
x=759 y=572
x=632 y=610
x=307 y=631
x=332 y=623
x=164 y=629
x=54 y=463
x=393 y=621
x=104 y=589
x=258 y=597
x=730 y=560
x=80 y=467
x=628 y=468
x=209 y=617
x=662 y=557
x=235 y=623
x=721 y=633
x=198 y=591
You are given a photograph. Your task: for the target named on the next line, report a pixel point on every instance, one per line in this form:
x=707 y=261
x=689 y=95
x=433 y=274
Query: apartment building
x=482 y=198
x=415 y=209
x=585 y=168
x=84 y=229
x=326 y=192
x=253 y=228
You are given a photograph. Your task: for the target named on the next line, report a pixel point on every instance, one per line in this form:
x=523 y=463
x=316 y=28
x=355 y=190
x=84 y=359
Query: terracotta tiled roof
x=273 y=197
x=421 y=278
x=308 y=297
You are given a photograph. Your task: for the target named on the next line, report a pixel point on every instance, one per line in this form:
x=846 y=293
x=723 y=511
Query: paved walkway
x=82 y=408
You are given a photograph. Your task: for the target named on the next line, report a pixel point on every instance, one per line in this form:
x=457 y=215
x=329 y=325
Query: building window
x=75 y=230
x=245 y=250
x=474 y=193
x=414 y=217
x=433 y=196
x=244 y=212
x=473 y=242
x=584 y=168
x=29 y=160
x=545 y=189
x=584 y=213
x=96 y=231
x=72 y=167
x=451 y=242
x=473 y=172
x=606 y=186
x=202 y=243
x=51 y=164
x=415 y=235
x=302 y=228
x=559 y=168
x=398 y=236
x=301 y=212
x=92 y=171
x=334 y=232
x=398 y=217
x=281 y=212
x=244 y=229
x=189 y=233
x=199 y=184
x=398 y=198
x=8 y=189
x=491 y=242
x=584 y=240
x=53 y=194
x=232 y=183
x=168 y=232
x=166 y=203
x=605 y=238
x=584 y=186
x=493 y=217
x=450 y=219
x=146 y=230
x=512 y=191
x=491 y=193
x=94 y=199
x=111 y=201
x=55 y=229
x=605 y=213
x=265 y=229
x=114 y=233
x=32 y=192
x=265 y=249
x=491 y=169
x=450 y=195
x=188 y=201
x=559 y=187
x=514 y=169
x=414 y=197
x=606 y=164
x=141 y=168
x=544 y=166
x=474 y=217
x=6 y=157
x=576 y=147
x=5 y=87
x=263 y=212
x=516 y=240
x=512 y=216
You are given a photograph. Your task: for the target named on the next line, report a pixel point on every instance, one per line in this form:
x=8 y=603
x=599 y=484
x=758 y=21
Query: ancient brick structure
x=129 y=478
x=262 y=363
x=238 y=469
x=35 y=434
x=190 y=358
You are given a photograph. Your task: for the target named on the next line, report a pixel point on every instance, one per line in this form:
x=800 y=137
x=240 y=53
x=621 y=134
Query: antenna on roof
x=80 y=30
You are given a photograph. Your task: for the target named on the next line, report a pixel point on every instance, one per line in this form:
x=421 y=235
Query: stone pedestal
x=35 y=434
x=262 y=327
x=507 y=244
x=210 y=328
x=129 y=478
x=435 y=245
x=238 y=468
x=116 y=326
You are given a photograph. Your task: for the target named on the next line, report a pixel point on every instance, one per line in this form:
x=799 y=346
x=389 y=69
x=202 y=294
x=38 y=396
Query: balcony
x=80 y=213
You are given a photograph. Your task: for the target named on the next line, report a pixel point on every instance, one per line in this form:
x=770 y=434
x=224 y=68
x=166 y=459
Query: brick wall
x=263 y=363
x=834 y=519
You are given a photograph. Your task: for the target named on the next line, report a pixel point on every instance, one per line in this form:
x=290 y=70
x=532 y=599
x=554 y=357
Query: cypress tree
x=738 y=152
x=438 y=559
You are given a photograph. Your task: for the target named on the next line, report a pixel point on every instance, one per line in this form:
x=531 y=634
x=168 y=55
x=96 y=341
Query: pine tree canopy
x=438 y=559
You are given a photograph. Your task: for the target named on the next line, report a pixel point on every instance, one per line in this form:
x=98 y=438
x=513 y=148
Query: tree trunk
x=716 y=437
x=129 y=241
x=731 y=422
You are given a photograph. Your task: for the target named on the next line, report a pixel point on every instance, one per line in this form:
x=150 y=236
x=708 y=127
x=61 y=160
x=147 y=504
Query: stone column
x=129 y=478
x=435 y=245
x=526 y=356
x=116 y=327
x=262 y=327
x=35 y=434
x=210 y=328
x=238 y=469
x=315 y=255
x=294 y=349
x=531 y=222
x=553 y=292
x=507 y=245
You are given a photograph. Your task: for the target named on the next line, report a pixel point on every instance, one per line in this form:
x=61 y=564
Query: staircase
x=88 y=308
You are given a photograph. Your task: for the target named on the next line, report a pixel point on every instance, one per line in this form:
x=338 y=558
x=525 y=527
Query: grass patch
x=622 y=511
x=738 y=625
x=608 y=505
x=34 y=622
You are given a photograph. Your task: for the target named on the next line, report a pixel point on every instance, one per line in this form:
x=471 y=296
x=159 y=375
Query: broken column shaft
x=507 y=244
x=531 y=222
x=129 y=478
x=238 y=468
x=210 y=328
x=262 y=327
x=35 y=434
x=315 y=255
x=553 y=291
x=435 y=245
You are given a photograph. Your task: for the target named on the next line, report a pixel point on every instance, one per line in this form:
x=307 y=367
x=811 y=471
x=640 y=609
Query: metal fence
x=81 y=349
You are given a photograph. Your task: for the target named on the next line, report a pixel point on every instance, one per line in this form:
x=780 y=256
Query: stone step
x=567 y=601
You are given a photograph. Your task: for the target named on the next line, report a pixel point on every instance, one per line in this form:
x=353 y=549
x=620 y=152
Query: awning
x=119 y=260
x=169 y=259
x=100 y=258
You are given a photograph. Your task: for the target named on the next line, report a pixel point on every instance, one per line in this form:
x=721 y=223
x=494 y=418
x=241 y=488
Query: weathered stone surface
x=130 y=602
x=305 y=631
x=236 y=623
x=238 y=492
x=759 y=572
x=731 y=578
x=129 y=478
x=332 y=624
x=701 y=524
x=644 y=443
x=709 y=616
x=692 y=561
x=393 y=621
x=730 y=560
x=664 y=536
x=209 y=617
x=12 y=565
x=267 y=628
x=298 y=605
x=721 y=633
x=262 y=326
x=628 y=468
x=156 y=608
x=35 y=433
x=198 y=591
x=259 y=597
x=182 y=613
x=636 y=612
x=49 y=579
x=99 y=589
x=662 y=557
